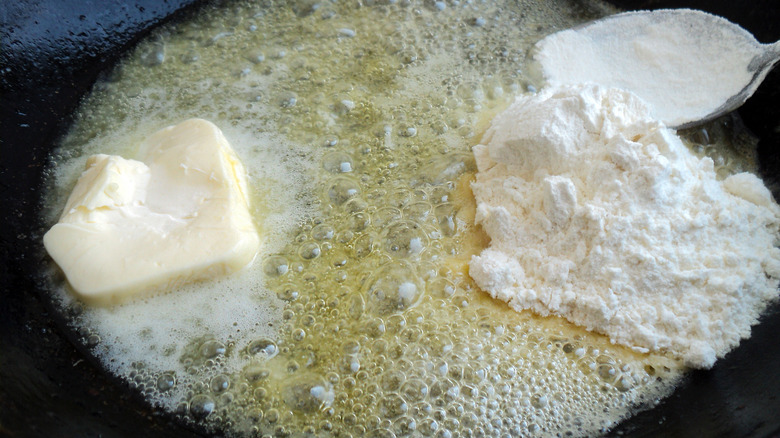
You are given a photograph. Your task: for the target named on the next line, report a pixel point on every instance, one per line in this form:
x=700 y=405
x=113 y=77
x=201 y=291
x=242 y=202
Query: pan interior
x=355 y=122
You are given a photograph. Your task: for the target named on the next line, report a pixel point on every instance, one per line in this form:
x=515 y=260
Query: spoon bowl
x=690 y=66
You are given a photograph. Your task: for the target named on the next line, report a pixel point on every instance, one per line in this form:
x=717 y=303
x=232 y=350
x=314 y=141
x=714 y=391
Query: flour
x=681 y=62
x=598 y=213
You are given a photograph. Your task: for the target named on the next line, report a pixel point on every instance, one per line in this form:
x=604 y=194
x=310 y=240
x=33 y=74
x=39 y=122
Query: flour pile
x=600 y=214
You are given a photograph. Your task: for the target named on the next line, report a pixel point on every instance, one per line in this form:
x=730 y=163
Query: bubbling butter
x=179 y=215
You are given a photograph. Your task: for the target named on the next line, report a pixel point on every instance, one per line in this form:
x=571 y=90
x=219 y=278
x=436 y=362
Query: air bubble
x=405 y=239
x=307 y=393
x=392 y=380
x=624 y=384
x=443 y=433
x=414 y=390
x=276 y=265
x=219 y=383
x=395 y=287
x=166 y=382
x=445 y=389
x=358 y=221
x=386 y=215
x=342 y=189
x=309 y=250
x=442 y=288
x=607 y=372
x=255 y=373
x=428 y=427
x=356 y=306
x=328 y=141
x=355 y=205
x=350 y=364
x=393 y=406
x=399 y=198
x=418 y=211
x=288 y=99
x=337 y=162
x=405 y=426
x=322 y=232
x=364 y=245
x=539 y=401
x=374 y=327
x=298 y=334
x=265 y=347
x=212 y=349
x=272 y=416
x=288 y=293
x=201 y=406
x=92 y=340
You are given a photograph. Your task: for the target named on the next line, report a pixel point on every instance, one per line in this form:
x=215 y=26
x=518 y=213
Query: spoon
x=688 y=65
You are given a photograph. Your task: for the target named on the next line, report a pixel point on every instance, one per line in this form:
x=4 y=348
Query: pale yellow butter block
x=180 y=214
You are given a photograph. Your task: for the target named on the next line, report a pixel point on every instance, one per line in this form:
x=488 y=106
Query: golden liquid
x=355 y=121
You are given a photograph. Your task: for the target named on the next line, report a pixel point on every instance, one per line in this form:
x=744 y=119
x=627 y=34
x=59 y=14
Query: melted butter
x=355 y=124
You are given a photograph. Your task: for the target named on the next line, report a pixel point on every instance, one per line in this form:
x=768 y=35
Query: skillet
x=52 y=53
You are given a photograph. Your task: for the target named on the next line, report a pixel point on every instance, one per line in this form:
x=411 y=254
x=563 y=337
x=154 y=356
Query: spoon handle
x=773 y=52
x=762 y=63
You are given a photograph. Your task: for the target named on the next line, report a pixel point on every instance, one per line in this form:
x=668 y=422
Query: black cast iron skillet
x=54 y=50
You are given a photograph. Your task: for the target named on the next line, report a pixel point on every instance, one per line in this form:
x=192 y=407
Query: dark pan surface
x=54 y=50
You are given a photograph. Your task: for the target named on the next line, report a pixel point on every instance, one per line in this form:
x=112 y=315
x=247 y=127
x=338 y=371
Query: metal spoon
x=690 y=66
x=760 y=66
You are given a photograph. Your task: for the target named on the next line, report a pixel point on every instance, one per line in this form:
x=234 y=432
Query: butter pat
x=179 y=215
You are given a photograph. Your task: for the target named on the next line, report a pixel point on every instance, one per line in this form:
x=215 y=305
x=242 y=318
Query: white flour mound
x=600 y=214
